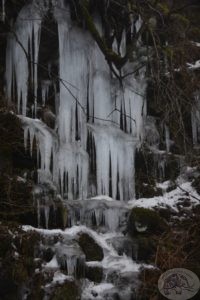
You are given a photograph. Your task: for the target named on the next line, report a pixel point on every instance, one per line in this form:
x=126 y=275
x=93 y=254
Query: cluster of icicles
x=106 y=117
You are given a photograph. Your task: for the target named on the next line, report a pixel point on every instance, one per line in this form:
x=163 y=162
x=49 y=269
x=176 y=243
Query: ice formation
x=195 y=116
x=22 y=57
x=71 y=259
x=98 y=121
x=3 y=13
x=97 y=213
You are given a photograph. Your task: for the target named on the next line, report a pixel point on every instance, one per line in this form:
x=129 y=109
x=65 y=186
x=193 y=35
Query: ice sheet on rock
x=151 y=135
x=70 y=258
x=102 y=198
x=125 y=245
x=121 y=270
x=116 y=290
x=44 y=196
x=97 y=214
x=46 y=143
x=120 y=264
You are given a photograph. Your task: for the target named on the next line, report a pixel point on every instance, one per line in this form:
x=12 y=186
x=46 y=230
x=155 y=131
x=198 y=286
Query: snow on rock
x=53 y=264
x=169 y=199
x=96 y=291
x=194 y=66
x=120 y=272
x=60 y=277
x=111 y=261
x=117 y=264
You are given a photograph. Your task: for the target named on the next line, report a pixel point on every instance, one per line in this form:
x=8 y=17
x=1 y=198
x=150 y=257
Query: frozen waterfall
x=98 y=121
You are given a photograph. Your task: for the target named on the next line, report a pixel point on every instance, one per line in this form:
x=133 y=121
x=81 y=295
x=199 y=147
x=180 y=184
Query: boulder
x=92 y=250
x=143 y=220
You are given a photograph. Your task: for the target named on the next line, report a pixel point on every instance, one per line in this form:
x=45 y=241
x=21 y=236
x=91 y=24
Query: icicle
x=70 y=258
x=123 y=44
x=66 y=161
x=111 y=142
x=45 y=86
x=114 y=45
x=38 y=212
x=89 y=98
x=26 y=131
x=159 y=165
x=3 y=14
x=195 y=118
x=45 y=141
x=20 y=53
x=167 y=138
x=132 y=26
x=46 y=215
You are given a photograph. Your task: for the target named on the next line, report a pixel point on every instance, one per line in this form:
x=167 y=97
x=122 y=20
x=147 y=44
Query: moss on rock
x=149 y=191
x=36 y=289
x=146 y=248
x=92 y=250
x=68 y=291
x=11 y=133
x=94 y=274
x=145 y=220
x=17 y=252
x=16 y=203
